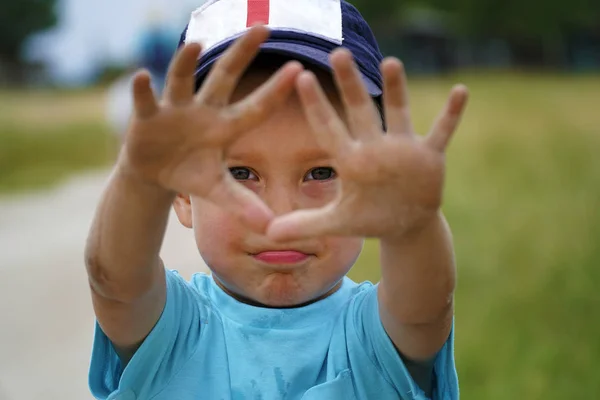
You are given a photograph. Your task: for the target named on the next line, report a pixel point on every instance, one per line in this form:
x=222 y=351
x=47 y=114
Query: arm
x=416 y=289
x=125 y=272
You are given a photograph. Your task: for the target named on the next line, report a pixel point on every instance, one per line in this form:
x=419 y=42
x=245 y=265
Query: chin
x=282 y=292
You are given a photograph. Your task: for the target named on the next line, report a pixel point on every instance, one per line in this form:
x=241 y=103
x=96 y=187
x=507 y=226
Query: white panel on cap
x=218 y=20
x=322 y=18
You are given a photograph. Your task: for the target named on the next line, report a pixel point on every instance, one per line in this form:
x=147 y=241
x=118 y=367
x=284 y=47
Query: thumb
x=304 y=224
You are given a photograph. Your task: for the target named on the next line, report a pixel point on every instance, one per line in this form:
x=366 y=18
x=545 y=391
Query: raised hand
x=391 y=182
x=179 y=142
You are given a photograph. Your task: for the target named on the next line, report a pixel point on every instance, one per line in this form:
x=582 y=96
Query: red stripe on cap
x=258 y=12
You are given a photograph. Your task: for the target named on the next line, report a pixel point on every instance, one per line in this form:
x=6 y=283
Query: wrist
x=419 y=227
x=132 y=180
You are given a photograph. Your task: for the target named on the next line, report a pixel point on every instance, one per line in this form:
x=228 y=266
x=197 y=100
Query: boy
x=280 y=172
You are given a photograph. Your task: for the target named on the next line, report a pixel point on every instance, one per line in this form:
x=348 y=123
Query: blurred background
x=522 y=194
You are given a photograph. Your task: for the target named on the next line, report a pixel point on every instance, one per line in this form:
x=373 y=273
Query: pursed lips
x=281 y=256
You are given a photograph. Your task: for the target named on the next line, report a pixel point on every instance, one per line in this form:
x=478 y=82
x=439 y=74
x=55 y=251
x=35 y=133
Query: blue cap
x=314 y=49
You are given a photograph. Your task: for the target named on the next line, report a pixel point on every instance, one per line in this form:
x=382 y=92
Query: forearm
x=122 y=252
x=418 y=274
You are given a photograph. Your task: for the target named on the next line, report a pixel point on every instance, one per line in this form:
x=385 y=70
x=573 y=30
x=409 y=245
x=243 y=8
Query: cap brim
x=297 y=51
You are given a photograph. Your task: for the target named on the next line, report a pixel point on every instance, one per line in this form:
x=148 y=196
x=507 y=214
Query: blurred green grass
x=522 y=193
x=522 y=197
x=47 y=136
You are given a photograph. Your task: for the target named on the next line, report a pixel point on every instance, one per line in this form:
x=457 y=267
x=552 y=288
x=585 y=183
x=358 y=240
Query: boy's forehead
x=295 y=145
x=286 y=134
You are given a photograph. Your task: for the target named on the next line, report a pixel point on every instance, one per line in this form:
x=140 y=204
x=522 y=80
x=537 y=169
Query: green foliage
x=508 y=19
x=19 y=19
x=516 y=18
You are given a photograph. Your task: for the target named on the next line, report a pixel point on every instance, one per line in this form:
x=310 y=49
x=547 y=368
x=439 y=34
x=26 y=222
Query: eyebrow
x=315 y=154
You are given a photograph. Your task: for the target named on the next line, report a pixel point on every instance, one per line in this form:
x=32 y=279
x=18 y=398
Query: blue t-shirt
x=207 y=345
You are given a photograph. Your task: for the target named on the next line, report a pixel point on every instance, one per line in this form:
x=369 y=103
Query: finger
x=304 y=224
x=256 y=107
x=241 y=202
x=395 y=97
x=180 y=78
x=322 y=117
x=448 y=120
x=144 y=102
x=226 y=73
x=361 y=112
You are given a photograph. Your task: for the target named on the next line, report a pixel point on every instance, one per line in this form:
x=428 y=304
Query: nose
x=281 y=198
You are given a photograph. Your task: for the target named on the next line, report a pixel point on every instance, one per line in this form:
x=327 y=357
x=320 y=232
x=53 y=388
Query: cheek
x=344 y=252
x=251 y=185
x=216 y=232
x=320 y=193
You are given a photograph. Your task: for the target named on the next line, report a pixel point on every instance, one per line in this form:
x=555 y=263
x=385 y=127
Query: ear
x=183 y=208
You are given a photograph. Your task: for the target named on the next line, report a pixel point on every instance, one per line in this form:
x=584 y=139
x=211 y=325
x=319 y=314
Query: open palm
x=391 y=182
x=179 y=143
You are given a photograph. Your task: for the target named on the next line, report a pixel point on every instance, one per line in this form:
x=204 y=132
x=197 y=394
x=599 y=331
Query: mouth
x=281 y=257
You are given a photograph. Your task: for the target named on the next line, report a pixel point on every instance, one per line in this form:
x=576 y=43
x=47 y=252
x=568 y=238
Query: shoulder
x=172 y=342
x=198 y=286
x=360 y=296
x=372 y=357
x=195 y=295
x=354 y=289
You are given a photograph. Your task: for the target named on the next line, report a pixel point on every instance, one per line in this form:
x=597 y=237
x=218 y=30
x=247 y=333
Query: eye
x=242 y=174
x=320 y=174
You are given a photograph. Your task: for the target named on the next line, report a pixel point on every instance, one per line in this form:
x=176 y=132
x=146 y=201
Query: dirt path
x=45 y=309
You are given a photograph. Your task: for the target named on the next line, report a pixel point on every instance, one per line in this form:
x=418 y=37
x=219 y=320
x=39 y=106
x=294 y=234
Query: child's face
x=280 y=161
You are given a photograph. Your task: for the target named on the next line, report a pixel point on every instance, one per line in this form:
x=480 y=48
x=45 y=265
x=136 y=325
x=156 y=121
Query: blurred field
x=46 y=136
x=522 y=195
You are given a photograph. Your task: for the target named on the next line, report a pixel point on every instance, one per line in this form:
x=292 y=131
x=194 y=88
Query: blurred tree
x=501 y=18
x=537 y=32
x=18 y=20
x=535 y=29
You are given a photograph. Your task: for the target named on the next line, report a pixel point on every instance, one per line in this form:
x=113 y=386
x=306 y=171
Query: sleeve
x=365 y=329
x=165 y=350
